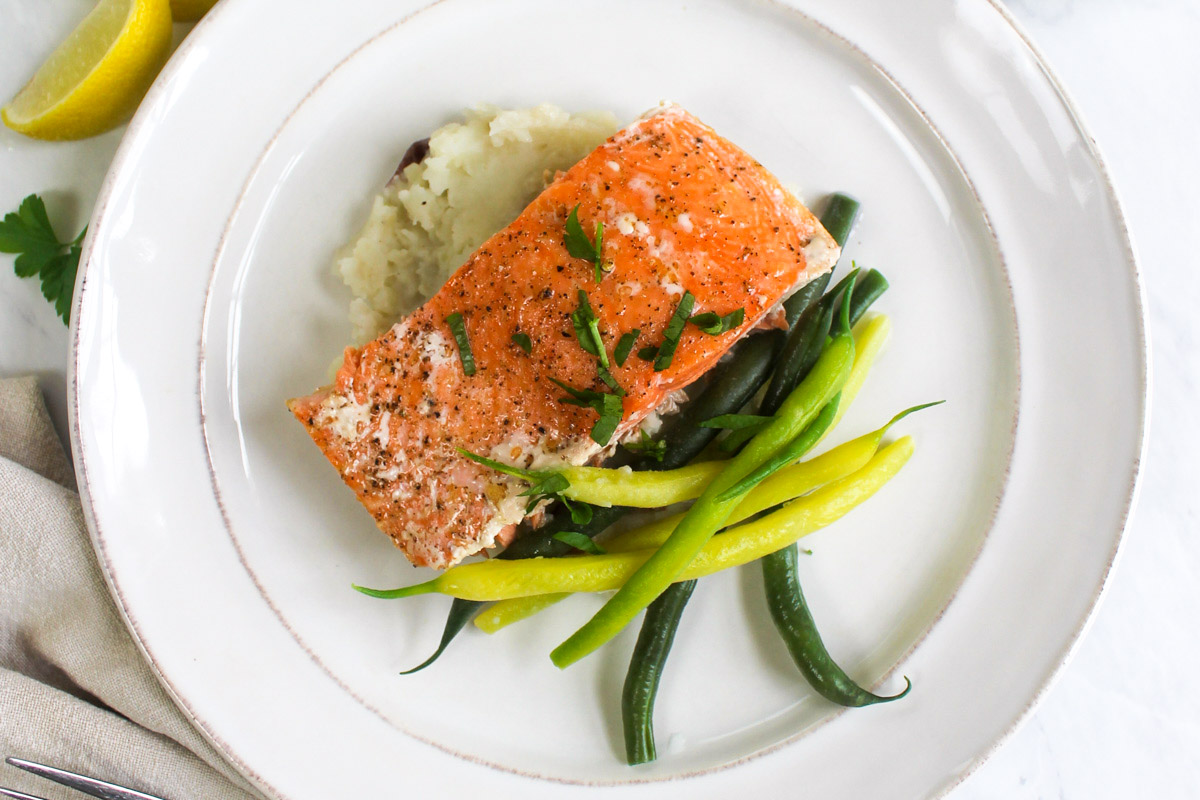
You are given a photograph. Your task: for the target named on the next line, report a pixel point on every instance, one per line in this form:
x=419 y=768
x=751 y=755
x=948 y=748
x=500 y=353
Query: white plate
x=206 y=300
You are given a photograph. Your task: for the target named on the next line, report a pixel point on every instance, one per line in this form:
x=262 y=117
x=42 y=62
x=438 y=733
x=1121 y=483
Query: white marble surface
x=1124 y=719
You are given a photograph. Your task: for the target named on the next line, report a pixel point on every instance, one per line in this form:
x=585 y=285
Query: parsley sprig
x=28 y=231
x=608 y=406
x=587 y=329
x=523 y=341
x=714 y=324
x=625 y=345
x=458 y=327
x=543 y=485
x=580 y=246
x=666 y=350
x=647 y=447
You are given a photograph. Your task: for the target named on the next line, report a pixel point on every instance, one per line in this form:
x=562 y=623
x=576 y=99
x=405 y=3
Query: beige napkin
x=74 y=690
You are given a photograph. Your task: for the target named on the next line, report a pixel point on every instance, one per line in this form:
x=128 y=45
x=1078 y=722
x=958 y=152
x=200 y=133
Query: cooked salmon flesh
x=683 y=211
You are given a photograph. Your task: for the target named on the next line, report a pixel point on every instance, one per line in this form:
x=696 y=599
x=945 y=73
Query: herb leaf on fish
x=624 y=346
x=647 y=447
x=666 y=351
x=608 y=406
x=580 y=246
x=459 y=328
x=714 y=324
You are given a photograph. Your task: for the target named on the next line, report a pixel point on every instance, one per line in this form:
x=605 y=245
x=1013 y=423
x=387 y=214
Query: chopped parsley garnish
x=27 y=231
x=459 y=329
x=581 y=513
x=714 y=324
x=587 y=329
x=580 y=246
x=523 y=341
x=611 y=410
x=647 y=447
x=648 y=353
x=666 y=351
x=584 y=398
x=608 y=406
x=737 y=422
x=580 y=542
x=609 y=380
x=624 y=346
x=542 y=485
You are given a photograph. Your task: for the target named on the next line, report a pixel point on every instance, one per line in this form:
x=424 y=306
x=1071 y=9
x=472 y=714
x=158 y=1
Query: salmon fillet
x=683 y=210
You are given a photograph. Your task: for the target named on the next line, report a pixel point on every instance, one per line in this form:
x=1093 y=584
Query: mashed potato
x=477 y=178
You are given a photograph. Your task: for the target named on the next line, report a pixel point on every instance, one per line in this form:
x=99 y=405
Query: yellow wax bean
x=870 y=335
x=506 y=612
x=644 y=489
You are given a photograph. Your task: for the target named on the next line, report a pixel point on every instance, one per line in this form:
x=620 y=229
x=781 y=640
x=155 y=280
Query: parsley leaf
x=609 y=380
x=581 y=513
x=542 y=485
x=624 y=346
x=28 y=232
x=587 y=329
x=714 y=324
x=459 y=329
x=608 y=406
x=500 y=466
x=580 y=246
x=584 y=398
x=648 y=353
x=598 y=263
x=580 y=542
x=647 y=447
x=666 y=350
x=523 y=341
x=611 y=410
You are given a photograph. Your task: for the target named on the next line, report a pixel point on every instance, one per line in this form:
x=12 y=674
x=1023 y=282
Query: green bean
x=838 y=220
x=801 y=352
x=797 y=353
x=784 y=597
x=867 y=289
x=792 y=451
x=460 y=614
x=645 y=670
x=840 y=216
x=796 y=626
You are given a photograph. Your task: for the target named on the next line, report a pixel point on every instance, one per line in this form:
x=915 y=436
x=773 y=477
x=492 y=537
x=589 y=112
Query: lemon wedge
x=94 y=80
x=190 y=10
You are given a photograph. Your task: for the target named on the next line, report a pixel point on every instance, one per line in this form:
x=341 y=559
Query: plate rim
x=1132 y=261
x=1142 y=352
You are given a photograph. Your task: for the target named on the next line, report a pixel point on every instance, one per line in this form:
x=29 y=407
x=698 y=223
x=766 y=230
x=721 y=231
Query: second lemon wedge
x=95 y=79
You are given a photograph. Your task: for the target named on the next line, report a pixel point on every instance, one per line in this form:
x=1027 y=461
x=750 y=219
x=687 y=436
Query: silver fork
x=81 y=783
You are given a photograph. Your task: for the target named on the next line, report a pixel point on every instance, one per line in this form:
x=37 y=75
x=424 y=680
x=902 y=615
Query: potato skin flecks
x=683 y=209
